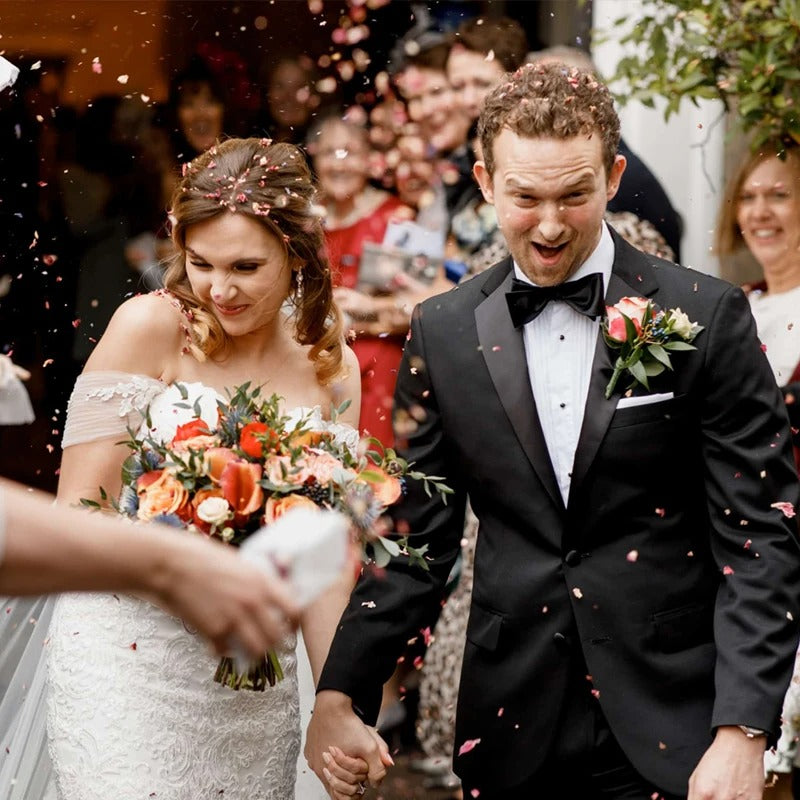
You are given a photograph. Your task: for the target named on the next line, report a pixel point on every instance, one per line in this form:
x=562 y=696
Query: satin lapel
x=632 y=276
x=503 y=351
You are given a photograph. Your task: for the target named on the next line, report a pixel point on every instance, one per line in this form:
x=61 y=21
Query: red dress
x=378 y=356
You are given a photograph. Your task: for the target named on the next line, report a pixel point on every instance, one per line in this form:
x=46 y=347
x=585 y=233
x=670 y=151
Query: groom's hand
x=334 y=723
x=731 y=769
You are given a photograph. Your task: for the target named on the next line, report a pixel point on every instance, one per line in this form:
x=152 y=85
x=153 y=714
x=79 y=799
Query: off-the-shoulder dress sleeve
x=107 y=403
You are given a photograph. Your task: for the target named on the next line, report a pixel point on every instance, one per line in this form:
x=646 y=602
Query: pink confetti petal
x=786 y=508
x=726 y=570
x=469 y=745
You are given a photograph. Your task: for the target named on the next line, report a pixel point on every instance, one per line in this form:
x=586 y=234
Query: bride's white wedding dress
x=133 y=711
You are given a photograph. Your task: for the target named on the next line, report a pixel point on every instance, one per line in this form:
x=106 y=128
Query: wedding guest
x=441 y=121
x=43 y=549
x=290 y=98
x=636 y=590
x=355 y=213
x=640 y=192
x=482 y=50
x=195 y=111
x=761 y=212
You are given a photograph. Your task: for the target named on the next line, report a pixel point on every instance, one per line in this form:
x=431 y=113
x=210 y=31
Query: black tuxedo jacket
x=699 y=630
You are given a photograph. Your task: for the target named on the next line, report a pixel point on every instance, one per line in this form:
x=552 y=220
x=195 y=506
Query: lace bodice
x=105 y=404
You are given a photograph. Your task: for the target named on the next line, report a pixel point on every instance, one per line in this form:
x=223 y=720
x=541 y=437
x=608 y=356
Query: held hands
x=731 y=769
x=344 y=753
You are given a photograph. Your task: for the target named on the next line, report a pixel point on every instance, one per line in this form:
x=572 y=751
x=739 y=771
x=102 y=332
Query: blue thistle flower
x=361 y=505
x=128 y=501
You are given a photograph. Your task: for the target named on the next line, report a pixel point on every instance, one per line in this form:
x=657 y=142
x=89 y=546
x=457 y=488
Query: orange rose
x=161 y=493
x=278 y=506
x=194 y=435
x=256 y=437
x=239 y=483
x=215 y=460
x=387 y=488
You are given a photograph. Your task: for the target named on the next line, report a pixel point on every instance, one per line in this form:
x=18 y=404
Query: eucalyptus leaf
x=380 y=554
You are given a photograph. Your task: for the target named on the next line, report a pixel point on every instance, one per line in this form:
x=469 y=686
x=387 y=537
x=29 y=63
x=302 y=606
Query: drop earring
x=299 y=280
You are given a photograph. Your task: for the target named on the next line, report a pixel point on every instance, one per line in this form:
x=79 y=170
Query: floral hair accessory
x=644 y=337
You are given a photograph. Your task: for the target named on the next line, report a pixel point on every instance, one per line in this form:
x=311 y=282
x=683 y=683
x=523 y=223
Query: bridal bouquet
x=253 y=465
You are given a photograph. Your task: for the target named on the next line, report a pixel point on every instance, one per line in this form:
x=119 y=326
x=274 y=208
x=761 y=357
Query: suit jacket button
x=562 y=642
x=573 y=558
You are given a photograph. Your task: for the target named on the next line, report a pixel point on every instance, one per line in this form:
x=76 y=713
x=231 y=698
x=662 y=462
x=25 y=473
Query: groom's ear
x=484 y=180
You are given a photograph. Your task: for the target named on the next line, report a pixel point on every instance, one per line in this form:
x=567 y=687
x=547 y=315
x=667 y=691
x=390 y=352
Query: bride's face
x=239 y=270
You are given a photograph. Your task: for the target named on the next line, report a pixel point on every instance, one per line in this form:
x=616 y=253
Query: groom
x=637 y=573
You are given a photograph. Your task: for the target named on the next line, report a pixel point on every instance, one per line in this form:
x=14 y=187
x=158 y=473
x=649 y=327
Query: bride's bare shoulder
x=143 y=337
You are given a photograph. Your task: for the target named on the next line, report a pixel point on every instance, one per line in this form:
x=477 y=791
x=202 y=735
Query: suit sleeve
x=389 y=607
x=749 y=469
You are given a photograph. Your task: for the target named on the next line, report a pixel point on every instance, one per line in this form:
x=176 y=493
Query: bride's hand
x=346 y=776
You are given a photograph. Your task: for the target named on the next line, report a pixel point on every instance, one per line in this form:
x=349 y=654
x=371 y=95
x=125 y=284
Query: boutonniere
x=644 y=336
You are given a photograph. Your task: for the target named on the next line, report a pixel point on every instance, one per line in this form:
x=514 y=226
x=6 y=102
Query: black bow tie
x=526 y=302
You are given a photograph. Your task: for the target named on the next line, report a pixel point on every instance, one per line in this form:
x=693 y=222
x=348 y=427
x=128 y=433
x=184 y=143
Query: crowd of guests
x=400 y=167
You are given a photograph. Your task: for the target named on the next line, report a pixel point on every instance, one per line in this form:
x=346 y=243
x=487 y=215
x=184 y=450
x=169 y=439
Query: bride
x=132 y=710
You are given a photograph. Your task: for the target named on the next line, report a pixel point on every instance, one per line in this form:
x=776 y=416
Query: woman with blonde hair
x=133 y=711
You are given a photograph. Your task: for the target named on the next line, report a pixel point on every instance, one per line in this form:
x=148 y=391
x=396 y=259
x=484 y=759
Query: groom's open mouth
x=548 y=252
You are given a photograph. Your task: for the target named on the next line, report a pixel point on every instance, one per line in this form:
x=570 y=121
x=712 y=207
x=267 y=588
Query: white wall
x=672 y=149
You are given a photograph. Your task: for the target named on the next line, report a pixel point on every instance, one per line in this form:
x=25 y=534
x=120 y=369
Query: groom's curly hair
x=271 y=184
x=550 y=100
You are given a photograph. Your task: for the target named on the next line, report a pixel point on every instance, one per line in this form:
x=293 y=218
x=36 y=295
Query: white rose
x=680 y=323
x=214 y=510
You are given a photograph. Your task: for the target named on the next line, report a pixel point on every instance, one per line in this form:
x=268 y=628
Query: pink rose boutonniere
x=644 y=336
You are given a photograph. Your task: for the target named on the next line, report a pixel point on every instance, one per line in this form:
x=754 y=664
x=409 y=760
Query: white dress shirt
x=777 y=319
x=559 y=348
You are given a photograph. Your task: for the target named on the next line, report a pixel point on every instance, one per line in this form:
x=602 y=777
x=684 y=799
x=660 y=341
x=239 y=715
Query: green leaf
x=390 y=545
x=653 y=368
x=678 y=346
x=638 y=372
x=658 y=352
x=182 y=389
x=380 y=554
x=370 y=475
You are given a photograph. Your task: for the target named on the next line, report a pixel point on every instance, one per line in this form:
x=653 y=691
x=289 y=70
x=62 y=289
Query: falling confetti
x=787 y=509
x=577 y=592
x=469 y=745
x=726 y=570
x=633 y=556
x=123 y=79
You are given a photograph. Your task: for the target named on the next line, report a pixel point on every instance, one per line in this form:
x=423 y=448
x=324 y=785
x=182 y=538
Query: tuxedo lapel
x=631 y=276
x=503 y=351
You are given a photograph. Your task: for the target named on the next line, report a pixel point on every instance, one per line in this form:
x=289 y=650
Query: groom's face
x=550 y=196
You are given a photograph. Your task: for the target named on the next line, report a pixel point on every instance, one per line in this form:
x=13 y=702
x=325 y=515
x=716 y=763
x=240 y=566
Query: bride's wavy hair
x=271 y=184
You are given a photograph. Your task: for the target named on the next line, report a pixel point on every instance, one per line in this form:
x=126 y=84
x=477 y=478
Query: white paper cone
x=8 y=73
